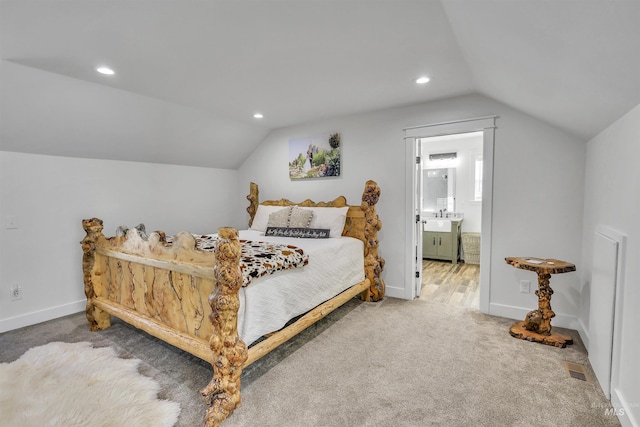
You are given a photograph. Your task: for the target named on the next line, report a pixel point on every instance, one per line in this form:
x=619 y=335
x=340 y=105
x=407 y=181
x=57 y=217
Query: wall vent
x=576 y=370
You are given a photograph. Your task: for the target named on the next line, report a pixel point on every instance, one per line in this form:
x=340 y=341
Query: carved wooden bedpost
x=97 y=318
x=222 y=394
x=253 y=201
x=374 y=263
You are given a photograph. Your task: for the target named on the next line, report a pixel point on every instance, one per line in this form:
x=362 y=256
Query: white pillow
x=331 y=218
x=261 y=218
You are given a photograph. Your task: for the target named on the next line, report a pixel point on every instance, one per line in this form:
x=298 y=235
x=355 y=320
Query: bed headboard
x=362 y=223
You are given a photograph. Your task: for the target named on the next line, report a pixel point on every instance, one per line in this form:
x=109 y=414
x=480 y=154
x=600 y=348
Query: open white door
x=418 y=212
x=414 y=238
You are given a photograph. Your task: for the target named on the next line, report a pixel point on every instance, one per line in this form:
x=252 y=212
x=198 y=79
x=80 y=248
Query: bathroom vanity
x=441 y=239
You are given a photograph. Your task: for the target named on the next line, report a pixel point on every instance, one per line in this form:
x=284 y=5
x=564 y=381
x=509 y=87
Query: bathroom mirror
x=438 y=190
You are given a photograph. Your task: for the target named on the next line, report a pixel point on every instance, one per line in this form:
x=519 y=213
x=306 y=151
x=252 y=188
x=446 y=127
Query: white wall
x=49 y=196
x=612 y=199
x=538 y=191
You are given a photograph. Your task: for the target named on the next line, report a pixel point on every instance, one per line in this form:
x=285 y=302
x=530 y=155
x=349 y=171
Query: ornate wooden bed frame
x=168 y=290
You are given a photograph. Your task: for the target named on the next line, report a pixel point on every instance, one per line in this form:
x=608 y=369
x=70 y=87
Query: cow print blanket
x=258 y=259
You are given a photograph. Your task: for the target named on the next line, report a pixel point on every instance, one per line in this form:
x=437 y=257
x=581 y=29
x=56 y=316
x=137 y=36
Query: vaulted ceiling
x=190 y=74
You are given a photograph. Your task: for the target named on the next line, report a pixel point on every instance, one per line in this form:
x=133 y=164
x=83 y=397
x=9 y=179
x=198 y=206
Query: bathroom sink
x=437 y=224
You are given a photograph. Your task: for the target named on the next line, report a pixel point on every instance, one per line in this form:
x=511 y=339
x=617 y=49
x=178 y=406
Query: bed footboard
x=167 y=291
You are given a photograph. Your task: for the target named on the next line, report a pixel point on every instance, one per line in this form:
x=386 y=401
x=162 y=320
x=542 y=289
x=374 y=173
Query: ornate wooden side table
x=537 y=325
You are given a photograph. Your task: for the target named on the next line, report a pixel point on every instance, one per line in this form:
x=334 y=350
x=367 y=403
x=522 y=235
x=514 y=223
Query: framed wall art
x=314 y=157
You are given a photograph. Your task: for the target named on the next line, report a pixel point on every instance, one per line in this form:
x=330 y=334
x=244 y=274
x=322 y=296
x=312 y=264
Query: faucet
x=440 y=213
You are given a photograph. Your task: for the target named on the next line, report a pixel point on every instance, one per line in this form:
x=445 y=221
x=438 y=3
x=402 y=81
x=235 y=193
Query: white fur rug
x=62 y=384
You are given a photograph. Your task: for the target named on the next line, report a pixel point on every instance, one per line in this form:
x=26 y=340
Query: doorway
x=414 y=182
x=451 y=195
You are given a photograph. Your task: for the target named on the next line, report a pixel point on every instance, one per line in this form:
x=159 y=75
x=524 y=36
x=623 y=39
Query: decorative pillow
x=331 y=218
x=280 y=218
x=307 y=233
x=300 y=218
x=261 y=218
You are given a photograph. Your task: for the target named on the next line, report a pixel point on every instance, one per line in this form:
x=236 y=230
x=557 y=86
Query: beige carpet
x=394 y=363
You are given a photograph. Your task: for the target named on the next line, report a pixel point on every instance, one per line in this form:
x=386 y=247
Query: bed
x=193 y=291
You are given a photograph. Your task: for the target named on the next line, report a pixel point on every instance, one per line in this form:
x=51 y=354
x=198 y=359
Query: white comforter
x=268 y=303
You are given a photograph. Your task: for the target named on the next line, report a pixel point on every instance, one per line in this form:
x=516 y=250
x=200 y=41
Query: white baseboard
x=628 y=416
x=584 y=333
x=34 y=317
x=519 y=313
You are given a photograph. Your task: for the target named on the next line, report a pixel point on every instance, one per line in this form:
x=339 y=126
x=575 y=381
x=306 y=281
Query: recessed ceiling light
x=105 y=70
x=258 y=115
x=422 y=80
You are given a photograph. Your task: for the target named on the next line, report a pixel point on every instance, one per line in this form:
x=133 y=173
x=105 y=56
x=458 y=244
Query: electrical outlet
x=525 y=286
x=10 y=222
x=16 y=292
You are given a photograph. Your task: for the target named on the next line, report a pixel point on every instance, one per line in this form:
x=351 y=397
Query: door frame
x=487 y=125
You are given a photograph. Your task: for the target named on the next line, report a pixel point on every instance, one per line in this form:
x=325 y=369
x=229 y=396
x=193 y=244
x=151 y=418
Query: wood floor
x=447 y=283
